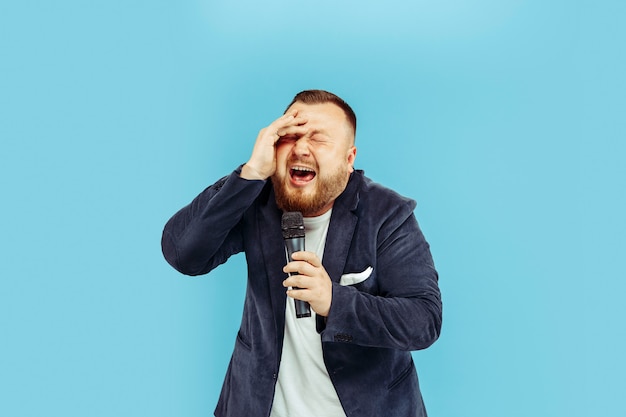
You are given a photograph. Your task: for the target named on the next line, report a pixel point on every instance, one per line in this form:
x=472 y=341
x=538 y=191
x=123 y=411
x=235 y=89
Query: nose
x=301 y=147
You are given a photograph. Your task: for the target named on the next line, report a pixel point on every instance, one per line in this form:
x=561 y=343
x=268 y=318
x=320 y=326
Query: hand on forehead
x=324 y=118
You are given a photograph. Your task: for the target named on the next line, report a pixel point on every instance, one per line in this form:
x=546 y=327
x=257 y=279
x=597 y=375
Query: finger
x=298 y=121
x=297 y=281
x=308 y=257
x=283 y=120
x=299 y=268
x=289 y=122
x=302 y=282
x=299 y=294
x=287 y=119
x=292 y=131
x=287 y=116
x=293 y=113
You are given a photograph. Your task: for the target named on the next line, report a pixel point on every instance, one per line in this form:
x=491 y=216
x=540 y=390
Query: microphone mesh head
x=293 y=225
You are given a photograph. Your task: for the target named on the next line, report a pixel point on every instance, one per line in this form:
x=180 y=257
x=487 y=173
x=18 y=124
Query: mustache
x=304 y=161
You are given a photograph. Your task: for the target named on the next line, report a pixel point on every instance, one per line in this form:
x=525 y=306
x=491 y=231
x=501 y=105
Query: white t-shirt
x=304 y=388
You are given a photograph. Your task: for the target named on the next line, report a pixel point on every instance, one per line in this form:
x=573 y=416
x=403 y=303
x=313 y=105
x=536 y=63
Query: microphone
x=293 y=232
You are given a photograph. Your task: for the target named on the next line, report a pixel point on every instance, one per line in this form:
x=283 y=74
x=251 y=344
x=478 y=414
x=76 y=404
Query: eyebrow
x=320 y=131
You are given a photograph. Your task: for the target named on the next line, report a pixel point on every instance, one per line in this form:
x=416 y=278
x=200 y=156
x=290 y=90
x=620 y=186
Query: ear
x=351 y=158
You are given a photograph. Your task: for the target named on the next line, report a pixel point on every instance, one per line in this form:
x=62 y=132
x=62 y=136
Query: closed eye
x=287 y=139
x=320 y=139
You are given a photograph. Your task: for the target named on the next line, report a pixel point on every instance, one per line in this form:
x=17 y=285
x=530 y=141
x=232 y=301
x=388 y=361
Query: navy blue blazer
x=391 y=306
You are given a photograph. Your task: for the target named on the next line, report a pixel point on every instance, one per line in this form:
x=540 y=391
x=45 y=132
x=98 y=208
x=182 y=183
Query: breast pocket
x=364 y=280
x=354 y=278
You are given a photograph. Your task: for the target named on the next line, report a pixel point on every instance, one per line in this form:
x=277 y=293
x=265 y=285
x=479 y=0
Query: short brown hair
x=321 y=97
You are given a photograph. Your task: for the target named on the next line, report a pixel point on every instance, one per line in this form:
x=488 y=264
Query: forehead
x=326 y=117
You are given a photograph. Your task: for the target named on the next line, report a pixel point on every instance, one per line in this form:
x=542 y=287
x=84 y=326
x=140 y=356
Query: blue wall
x=503 y=118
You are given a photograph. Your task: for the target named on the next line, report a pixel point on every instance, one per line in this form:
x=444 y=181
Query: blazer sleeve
x=205 y=233
x=405 y=312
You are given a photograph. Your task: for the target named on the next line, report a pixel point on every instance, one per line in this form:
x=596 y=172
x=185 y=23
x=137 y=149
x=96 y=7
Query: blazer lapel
x=273 y=249
x=341 y=229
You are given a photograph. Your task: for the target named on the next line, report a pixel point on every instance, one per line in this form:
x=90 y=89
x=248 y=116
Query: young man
x=367 y=274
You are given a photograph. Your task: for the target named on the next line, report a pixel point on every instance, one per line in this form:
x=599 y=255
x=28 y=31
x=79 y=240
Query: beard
x=310 y=202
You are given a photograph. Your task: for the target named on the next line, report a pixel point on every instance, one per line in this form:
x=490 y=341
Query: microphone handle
x=303 y=309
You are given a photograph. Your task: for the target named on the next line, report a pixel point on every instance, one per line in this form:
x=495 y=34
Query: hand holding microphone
x=293 y=233
x=311 y=285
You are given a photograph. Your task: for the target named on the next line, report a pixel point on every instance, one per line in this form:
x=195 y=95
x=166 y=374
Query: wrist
x=250 y=173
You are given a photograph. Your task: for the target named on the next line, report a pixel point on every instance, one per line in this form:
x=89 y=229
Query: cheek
x=335 y=161
x=281 y=153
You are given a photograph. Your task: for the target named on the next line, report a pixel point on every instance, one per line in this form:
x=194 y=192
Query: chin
x=312 y=199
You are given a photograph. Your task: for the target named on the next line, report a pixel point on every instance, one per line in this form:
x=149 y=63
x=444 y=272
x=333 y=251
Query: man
x=367 y=274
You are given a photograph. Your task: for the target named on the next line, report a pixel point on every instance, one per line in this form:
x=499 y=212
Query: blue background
x=504 y=119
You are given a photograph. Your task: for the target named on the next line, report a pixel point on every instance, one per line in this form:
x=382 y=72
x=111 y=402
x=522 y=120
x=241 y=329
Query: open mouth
x=301 y=174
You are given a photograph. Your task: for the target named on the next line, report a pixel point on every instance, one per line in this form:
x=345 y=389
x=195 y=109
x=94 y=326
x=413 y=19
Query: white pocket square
x=355 y=278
